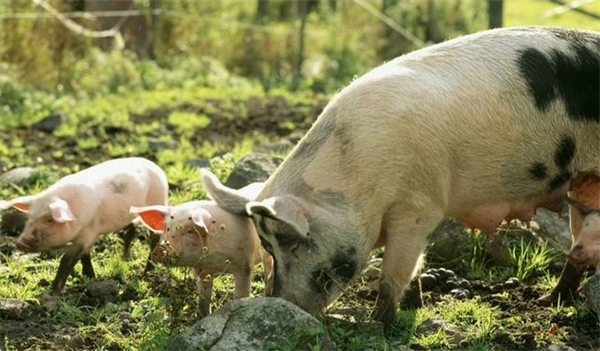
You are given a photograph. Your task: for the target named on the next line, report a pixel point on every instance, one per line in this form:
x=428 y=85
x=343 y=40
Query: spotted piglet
x=74 y=211
x=201 y=235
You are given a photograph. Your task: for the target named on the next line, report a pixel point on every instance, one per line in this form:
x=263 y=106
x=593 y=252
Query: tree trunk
x=134 y=29
x=494 y=13
x=303 y=11
x=261 y=11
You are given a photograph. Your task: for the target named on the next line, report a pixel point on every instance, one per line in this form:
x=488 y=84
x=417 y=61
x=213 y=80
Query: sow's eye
x=49 y=220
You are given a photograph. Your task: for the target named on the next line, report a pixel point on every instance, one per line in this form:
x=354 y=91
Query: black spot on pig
x=316 y=137
x=559 y=180
x=343 y=268
x=564 y=153
x=578 y=82
x=344 y=265
x=568 y=75
x=118 y=187
x=538 y=71
x=539 y=171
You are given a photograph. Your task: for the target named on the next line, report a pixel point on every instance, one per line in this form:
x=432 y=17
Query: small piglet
x=586 y=246
x=201 y=235
x=74 y=211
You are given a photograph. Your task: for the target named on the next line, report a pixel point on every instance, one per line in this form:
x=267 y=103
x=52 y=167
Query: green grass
x=529 y=259
x=533 y=12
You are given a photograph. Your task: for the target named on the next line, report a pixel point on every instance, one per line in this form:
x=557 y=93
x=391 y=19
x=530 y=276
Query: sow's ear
x=153 y=217
x=21 y=203
x=287 y=208
x=203 y=219
x=61 y=211
x=229 y=199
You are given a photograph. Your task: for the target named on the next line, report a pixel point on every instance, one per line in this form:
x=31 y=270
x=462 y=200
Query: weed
x=529 y=259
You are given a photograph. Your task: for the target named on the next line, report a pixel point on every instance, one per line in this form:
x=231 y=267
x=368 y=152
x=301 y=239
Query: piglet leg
x=243 y=281
x=128 y=234
x=154 y=239
x=67 y=262
x=569 y=281
x=204 y=282
x=86 y=265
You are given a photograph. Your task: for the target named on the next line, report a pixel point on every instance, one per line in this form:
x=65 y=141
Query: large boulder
x=20 y=176
x=254 y=167
x=553 y=229
x=250 y=324
x=447 y=240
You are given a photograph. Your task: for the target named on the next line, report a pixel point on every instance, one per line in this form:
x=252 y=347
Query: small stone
x=512 y=283
x=48 y=302
x=451 y=284
x=156 y=145
x=464 y=284
x=433 y=325
x=497 y=288
x=591 y=292
x=560 y=347
x=446 y=273
x=49 y=123
x=428 y=281
x=12 y=308
x=199 y=162
x=103 y=288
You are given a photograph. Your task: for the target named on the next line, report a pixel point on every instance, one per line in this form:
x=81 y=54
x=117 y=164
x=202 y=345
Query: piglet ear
x=21 y=203
x=61 y=212
x=203 y=219
x=153 y=217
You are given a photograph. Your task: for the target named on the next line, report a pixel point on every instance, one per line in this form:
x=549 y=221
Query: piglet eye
x=49 y=220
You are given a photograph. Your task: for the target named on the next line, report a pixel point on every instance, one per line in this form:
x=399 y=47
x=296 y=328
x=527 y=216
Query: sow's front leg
x=406 y=239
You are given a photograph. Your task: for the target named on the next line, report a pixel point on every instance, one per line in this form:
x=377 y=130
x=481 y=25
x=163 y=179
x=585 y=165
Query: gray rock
x=12 y=222
x=20 y=176
x=155 y=145
x=48 y=302
x=199 y=162
x=37 y=266
x=295 y=136
x=50 y=123
x=281 y=147
x=554 y=230
x=591 y=291
x=254 y=167
x=560 y=347
x=248 y=324
x=447 y=240
x=432 y=325
x=12 y=308
x=103 y=288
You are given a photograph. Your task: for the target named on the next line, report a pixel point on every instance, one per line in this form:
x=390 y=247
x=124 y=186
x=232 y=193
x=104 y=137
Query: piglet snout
x=25 y=245
x=159 y=254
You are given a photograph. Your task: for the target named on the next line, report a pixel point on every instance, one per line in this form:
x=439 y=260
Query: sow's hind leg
x=406 y=233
